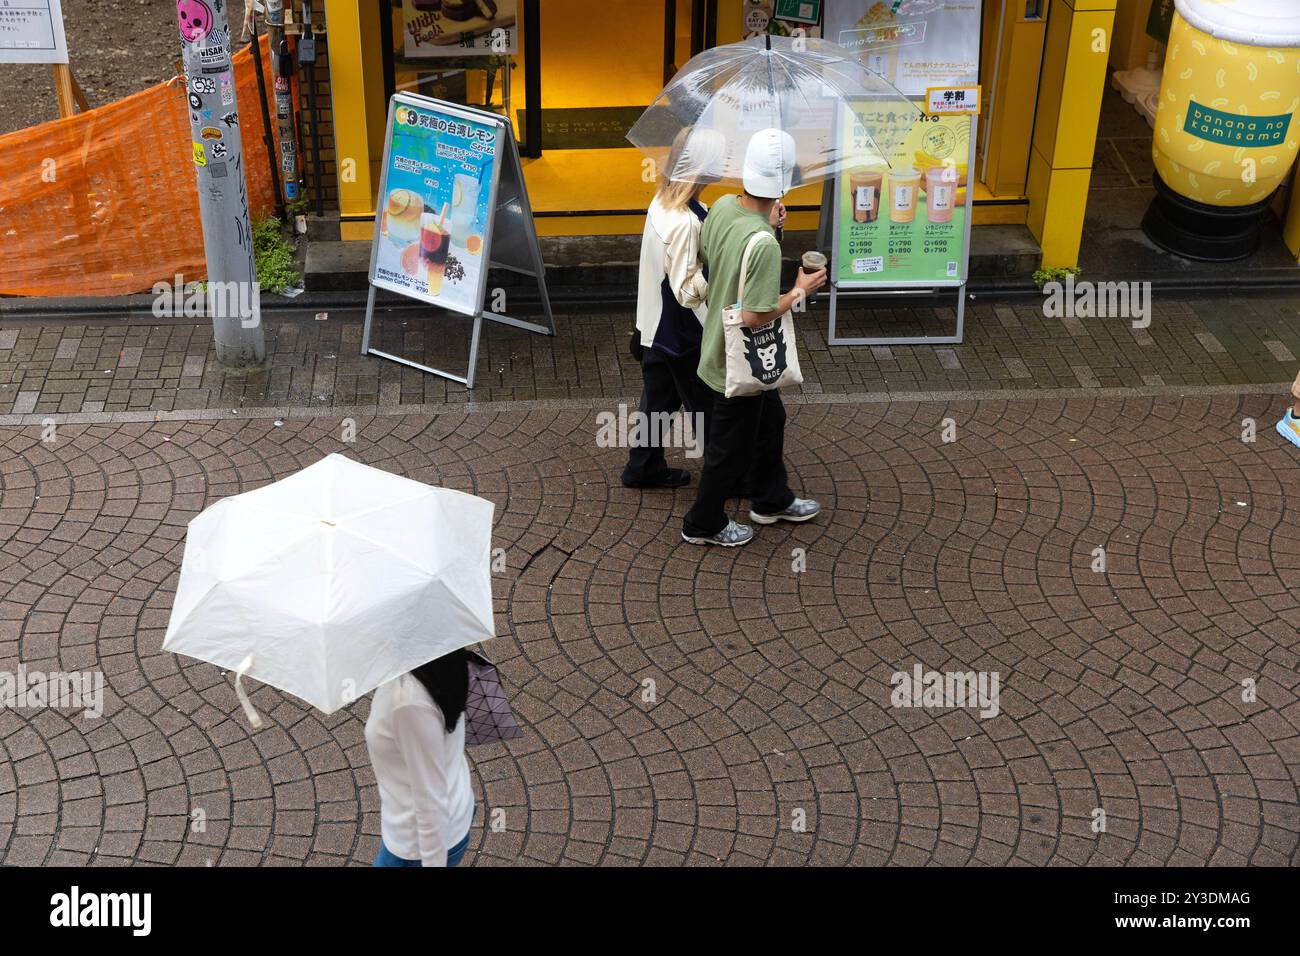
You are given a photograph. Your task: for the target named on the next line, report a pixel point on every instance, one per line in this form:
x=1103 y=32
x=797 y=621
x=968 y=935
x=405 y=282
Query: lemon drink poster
x=434 y=216
x=905 y=220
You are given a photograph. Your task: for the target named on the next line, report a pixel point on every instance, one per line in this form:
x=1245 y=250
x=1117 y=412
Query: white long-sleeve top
x=670 y=246
x=426 y=803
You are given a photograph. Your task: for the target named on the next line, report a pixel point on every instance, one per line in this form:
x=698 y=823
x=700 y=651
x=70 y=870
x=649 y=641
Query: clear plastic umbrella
x=840 y=113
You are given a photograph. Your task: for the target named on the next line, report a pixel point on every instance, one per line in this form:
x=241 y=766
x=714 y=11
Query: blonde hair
x=675 y=193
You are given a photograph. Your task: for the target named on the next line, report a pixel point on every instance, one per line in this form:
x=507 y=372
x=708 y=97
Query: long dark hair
x=446 y=679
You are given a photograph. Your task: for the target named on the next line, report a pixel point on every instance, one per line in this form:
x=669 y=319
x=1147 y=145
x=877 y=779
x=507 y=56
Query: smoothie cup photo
x=864 y=190
x=903 y=186
x=940 y=193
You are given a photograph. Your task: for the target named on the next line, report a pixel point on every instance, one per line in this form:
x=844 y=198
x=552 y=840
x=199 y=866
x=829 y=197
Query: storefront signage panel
x=915 y=44
x=433 y=28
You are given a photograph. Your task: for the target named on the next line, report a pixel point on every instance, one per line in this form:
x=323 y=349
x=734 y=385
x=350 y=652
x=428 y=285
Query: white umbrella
x=334 y=580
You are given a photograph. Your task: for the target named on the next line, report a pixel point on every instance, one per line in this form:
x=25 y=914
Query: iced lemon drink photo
x=433 y=250
x=401 y=217
x=464 y=207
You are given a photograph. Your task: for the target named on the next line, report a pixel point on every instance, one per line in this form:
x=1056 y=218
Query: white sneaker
x=801 y=509
x=732 y=536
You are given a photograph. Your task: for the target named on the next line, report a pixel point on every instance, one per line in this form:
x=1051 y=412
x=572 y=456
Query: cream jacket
x=670 y=246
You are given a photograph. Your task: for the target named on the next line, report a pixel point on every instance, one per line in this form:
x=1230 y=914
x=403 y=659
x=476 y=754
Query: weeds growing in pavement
x=274 y=256
x=1041 y=276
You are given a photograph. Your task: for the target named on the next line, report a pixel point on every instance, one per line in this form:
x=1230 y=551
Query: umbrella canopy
x=840 y=113
x=334 y=580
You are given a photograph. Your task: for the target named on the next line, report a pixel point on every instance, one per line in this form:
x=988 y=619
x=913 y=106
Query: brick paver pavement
x=1119 y=691
x=112 y=365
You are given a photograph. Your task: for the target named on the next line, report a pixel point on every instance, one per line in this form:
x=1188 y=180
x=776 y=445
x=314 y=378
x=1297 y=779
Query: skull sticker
x=195 y=18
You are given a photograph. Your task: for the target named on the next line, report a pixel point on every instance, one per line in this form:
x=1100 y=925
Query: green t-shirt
x=723 y=239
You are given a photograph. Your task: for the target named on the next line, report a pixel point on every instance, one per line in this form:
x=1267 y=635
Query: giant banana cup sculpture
x=1226 y=132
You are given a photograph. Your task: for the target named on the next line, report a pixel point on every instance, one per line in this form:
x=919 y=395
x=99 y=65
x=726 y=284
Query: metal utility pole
x=233 y=299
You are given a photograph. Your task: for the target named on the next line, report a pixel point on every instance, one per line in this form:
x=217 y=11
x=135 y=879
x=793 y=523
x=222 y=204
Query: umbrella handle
x=253 y=717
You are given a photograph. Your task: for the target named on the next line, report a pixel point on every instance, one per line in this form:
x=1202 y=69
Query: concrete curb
x=138 y=309
x=605 y=402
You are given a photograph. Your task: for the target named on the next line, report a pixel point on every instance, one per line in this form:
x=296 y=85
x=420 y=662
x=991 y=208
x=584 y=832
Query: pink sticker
x=195 y=18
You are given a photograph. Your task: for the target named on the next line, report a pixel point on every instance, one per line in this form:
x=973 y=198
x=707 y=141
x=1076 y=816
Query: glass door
x=423 y=55
x=599 y=66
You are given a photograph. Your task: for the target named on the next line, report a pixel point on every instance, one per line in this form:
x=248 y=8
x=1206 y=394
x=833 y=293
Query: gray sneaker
x=801 y=509
x=732 y=536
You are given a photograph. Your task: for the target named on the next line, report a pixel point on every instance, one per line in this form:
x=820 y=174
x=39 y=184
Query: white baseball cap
x=769 y=164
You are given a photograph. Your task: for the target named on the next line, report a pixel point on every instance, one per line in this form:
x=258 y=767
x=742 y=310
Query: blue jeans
x=385 y=856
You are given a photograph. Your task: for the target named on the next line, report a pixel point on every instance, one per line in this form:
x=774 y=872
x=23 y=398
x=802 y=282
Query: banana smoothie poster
x=914 y=44
x=905 y=220
x=433 y=215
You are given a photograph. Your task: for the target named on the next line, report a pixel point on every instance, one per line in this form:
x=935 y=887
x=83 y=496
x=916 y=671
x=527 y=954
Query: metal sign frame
x=505 y=140
x=863 y=289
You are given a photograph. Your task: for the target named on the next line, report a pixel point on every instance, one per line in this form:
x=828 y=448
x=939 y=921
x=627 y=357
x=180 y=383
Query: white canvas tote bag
x=761 y=358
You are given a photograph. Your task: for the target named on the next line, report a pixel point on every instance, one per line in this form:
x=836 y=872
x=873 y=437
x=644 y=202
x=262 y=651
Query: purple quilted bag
x=487 y=712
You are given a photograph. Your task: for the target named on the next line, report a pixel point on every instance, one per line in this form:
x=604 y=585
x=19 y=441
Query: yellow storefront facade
x=1042 y=67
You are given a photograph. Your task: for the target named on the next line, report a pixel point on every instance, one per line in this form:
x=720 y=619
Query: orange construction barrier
x=106 y=202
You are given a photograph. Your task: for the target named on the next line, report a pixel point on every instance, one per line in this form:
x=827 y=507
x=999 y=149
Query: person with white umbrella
x=338 y=580
x=416 y=738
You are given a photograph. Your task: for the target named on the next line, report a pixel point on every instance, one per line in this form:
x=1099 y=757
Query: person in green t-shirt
x=746 y=438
